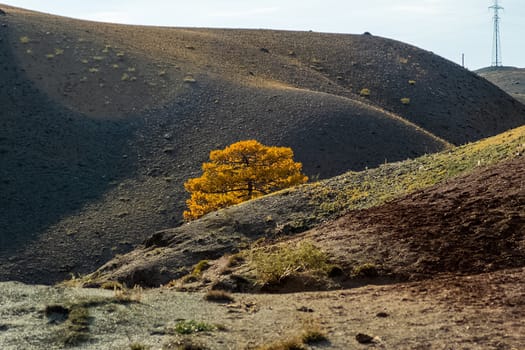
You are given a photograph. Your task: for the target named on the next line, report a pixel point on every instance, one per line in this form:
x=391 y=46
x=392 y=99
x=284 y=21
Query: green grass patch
x=365 y=189
x=192 y=326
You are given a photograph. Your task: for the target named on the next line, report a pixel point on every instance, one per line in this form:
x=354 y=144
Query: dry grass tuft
x=219 y=296
x=273 y=264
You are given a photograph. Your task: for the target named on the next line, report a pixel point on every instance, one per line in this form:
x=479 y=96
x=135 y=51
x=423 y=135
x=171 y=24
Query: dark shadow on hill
x=43 y=178
x=355 y=140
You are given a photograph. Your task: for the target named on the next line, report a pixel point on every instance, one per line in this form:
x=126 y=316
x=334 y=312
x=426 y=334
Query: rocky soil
x=473 y=312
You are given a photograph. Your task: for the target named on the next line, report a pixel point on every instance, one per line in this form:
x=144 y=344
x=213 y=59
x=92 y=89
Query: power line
x=496 y=37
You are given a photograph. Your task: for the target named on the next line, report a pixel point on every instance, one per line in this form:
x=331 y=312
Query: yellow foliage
x=242 y=171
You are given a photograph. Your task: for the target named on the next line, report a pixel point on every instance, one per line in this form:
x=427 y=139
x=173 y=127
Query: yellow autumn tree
x=242 y=171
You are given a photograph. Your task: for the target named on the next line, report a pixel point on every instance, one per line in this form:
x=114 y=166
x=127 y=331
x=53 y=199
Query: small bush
x=98 y=58
x=124 y=295
x=365 y=270
x=235 y=260
x=50 y=56
x=112 y=285
x=189 y=79
x=313 y=334
x=412 y=82
x=201 y=266
x=364 y=92
x=93 y=70
x=405 y=100
x=24 y=40
x=59 y=51
x=137 y=346
x=77 y=330
x=277 y=262
x=124 y=77
x=192 y=326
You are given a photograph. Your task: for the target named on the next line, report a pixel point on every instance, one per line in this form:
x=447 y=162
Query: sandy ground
x=475 y=312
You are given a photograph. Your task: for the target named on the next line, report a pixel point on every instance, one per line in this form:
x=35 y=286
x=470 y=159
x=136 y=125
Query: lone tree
x=242 y=171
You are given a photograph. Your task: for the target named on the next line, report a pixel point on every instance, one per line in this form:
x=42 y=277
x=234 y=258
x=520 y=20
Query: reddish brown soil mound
x=473 y=224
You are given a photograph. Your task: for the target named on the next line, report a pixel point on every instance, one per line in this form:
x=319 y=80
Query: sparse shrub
x=115 y=66
x=124 y=77
x=93 y=70
x=201 y=266
x=125 y=295
x=138 y=346
x=405 y=100
x=98 y=58
x=120 y=54
x=235 y=260
x=50 y=56
x=364 y=92
x=131 y=69
x=24 y=40
x=192 y=326
x=218 y=296
x=59 y=51
x=112 y=285
x=77 y=329
x=275 y=263
x=189 y=79
x=29 y=51
x=365 y=270
x=412 y=82
x=313 y=334
x=84 y=61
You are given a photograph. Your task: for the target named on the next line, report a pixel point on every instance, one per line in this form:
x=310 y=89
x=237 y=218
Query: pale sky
x=446 y=27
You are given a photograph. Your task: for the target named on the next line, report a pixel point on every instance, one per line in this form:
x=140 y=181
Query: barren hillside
x=101 y=124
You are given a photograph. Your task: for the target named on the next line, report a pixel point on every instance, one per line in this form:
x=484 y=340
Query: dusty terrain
x=482 y=312
x=101 y=124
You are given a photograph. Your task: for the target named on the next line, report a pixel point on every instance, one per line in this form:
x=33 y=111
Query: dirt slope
x=509 y=79
x=478 y=215
x=101 y=124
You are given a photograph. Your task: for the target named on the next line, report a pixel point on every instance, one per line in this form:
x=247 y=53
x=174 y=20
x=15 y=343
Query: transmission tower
x=496 y=39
